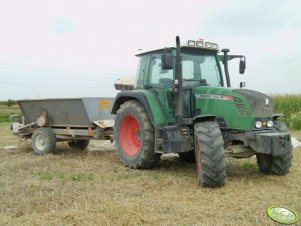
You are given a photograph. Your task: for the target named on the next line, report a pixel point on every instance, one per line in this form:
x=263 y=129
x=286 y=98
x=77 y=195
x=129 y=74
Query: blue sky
x=79 y=48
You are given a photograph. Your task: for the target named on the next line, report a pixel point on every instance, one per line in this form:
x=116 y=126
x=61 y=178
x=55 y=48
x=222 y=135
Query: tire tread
x=211 y=154
x=148 y=158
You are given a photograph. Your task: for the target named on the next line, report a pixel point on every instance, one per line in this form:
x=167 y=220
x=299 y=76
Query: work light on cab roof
x=201 y=44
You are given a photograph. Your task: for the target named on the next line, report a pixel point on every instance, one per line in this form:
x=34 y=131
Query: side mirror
x=167 y=60
x=242 y=66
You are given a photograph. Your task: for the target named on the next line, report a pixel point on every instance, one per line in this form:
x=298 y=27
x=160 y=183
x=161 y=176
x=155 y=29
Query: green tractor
x=181 y=103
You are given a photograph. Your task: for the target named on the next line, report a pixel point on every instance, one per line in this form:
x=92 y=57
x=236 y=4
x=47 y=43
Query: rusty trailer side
x=75 y=120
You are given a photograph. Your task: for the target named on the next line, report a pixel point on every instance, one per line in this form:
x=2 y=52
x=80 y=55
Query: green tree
x=10 y=102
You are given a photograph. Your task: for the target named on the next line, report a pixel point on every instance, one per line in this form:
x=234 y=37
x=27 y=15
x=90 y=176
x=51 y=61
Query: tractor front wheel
x=134 y=136
x=275 y=165
x=209 y=150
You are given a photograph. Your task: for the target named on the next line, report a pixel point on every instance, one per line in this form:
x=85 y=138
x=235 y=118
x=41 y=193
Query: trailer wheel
x=78 y=144
x=134 y=136
x=209 y=149
x=275 y=165
x=43 y=141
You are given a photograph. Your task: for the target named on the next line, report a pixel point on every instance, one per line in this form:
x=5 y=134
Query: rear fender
x=149 y=102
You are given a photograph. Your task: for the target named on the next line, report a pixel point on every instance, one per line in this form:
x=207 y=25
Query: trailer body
x=75 y=112
x=76 y=120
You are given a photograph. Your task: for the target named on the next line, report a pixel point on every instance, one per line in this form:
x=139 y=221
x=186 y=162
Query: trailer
x=76 y=120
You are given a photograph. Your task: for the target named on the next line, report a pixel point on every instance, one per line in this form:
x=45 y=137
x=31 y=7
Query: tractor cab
x=200 y=67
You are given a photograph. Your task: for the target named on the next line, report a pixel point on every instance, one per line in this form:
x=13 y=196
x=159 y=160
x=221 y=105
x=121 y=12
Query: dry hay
x=92 y=187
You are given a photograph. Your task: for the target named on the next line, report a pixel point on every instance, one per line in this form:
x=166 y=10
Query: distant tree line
x=9 y=102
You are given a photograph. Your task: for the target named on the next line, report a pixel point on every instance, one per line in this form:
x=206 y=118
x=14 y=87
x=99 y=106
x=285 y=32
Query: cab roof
x=190 y=45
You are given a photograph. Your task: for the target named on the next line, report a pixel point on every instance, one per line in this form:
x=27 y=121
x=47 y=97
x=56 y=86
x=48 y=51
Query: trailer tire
x=188 y=156
x=135 y=136
x=210 y=156
x=78 y=144
x=43 y=141
x=275 y=165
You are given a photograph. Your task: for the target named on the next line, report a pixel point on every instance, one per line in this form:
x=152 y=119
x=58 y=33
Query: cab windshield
x=195 y=67
x=201 y=67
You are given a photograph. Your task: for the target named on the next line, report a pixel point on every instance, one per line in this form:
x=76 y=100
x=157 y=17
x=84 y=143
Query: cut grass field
x=94 y=188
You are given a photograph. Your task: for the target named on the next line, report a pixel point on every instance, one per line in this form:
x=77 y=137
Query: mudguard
x=205 y=117
x=147 y=99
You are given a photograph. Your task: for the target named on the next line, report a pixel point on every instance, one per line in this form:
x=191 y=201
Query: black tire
x=188 y=156
x=78 y=144
x=264 y=162
x=43 y=141
x=135 y=136
x=275 y=165
x=210 y=156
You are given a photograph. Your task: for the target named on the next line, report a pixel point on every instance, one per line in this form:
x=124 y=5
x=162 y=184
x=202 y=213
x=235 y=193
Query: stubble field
x=93 y=188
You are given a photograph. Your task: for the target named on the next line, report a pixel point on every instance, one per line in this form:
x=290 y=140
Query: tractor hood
x=238 y=108
x=261 y=105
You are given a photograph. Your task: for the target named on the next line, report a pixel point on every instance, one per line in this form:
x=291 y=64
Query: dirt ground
x=94 y=188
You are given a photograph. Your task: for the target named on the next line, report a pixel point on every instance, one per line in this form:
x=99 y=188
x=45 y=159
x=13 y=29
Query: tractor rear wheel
x=209 y=149
x=134 y=136
x=78 y=144
x=275 y=165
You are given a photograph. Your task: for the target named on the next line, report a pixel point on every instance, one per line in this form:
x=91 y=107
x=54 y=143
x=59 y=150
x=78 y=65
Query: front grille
x=261 y=104
x=240 y=106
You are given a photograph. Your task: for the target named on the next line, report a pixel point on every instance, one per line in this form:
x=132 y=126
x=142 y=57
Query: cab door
x=161 y=83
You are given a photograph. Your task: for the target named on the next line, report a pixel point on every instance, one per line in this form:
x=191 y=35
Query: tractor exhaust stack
x=178 y=83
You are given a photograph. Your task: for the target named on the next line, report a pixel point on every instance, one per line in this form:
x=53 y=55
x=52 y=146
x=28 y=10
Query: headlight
x=191 y=43
x=199 y=44
x=214 y=46
x=208 y=44
x=258 y=124
x=270 y=124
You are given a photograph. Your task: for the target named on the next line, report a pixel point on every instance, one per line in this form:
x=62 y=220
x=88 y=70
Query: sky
x=77 y=48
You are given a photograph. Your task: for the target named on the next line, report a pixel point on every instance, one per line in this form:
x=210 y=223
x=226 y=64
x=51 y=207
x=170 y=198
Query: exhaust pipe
x=225 y=62
x=178 y=83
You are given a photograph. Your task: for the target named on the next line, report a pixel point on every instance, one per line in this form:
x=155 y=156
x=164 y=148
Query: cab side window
x=159 y=77
x=141 y=72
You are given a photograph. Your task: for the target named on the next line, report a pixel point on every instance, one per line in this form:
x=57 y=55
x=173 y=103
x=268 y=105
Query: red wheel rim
x=130 y=136
x=198 y=155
